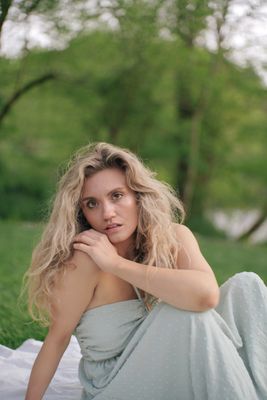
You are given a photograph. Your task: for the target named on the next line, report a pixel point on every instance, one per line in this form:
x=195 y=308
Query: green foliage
x=196 y=118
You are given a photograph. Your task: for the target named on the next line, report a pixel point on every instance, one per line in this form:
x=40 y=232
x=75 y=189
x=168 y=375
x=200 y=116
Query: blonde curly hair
x=155 y=240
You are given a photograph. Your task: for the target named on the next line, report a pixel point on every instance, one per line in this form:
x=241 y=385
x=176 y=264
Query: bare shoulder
x=189 y=256
x=83 y=263
x=185 y=234
x=80 y=271
x=181 y=228
x=73 y=290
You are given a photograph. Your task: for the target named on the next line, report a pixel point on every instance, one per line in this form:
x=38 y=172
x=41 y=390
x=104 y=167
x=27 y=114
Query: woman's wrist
x=118 y=264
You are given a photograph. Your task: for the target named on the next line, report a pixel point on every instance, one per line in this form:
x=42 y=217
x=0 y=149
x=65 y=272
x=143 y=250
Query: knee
x=244 y=284
x=247 y=278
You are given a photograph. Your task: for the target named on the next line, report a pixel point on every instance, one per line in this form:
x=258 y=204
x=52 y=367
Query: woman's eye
x=91 y=204
x=117 y=195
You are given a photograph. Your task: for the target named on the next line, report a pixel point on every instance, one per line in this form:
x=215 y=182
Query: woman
x=115 y=269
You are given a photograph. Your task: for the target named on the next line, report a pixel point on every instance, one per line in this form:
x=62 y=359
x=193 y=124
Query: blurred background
x=181 y=83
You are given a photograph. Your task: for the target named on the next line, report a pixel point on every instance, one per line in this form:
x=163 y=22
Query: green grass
x=17 y=242
x=228 y=258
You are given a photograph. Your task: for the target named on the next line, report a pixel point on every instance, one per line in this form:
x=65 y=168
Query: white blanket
x=15 y=368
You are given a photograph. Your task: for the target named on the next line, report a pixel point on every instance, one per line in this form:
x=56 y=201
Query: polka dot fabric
x=171 y=354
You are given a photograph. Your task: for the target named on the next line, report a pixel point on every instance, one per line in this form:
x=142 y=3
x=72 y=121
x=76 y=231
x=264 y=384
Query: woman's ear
x=83 y=221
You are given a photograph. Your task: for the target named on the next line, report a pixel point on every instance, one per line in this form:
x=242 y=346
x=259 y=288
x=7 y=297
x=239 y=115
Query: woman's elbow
x=60 y=336
x=210 y=299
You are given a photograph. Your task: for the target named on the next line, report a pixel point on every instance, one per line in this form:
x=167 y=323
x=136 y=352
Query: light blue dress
x=129 y=353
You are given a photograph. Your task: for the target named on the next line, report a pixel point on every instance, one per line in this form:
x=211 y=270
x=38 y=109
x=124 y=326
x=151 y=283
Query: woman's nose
x=108 y=211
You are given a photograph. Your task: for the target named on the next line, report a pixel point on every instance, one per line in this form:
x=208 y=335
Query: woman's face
x=110 y=207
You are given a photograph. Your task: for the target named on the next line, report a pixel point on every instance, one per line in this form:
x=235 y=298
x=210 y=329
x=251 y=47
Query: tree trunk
x=5 y=5
x=192 y=168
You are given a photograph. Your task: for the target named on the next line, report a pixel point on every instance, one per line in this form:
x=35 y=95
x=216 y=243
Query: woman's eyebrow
x=87 y=198
x=111 y=191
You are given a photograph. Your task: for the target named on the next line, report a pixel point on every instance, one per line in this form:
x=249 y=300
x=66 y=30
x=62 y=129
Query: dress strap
x=140 y=297
x=137 y=292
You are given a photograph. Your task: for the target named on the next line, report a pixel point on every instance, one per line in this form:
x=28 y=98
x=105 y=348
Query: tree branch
x=4 y=7
x=256 y=225
x=21 y=91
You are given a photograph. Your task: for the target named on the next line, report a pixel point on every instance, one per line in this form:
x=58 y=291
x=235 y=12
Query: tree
x=141 y=78
x=198 y=85
x=26 y=8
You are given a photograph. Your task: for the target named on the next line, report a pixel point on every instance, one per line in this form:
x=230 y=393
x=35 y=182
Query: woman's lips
x=113 y=228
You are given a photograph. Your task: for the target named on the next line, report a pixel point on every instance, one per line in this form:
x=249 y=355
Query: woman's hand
x=98 y=247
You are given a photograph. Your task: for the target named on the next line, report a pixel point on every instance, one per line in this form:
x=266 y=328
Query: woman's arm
x=71 y=296
x=191 y=290
x=192 y=286
x=46 y=364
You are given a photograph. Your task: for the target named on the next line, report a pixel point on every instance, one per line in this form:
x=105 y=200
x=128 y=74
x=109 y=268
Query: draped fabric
x=129 y=353
x=173 y=354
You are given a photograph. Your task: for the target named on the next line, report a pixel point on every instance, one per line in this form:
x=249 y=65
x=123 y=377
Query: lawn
x=17 y=242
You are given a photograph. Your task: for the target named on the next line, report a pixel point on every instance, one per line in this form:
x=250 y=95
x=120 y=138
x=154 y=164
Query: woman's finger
x=93 y=234
x=82 y=247
x=84 y=239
